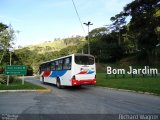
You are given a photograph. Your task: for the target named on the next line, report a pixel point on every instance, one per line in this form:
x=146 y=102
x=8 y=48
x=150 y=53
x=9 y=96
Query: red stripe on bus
x=46 y=73
x=83 y=72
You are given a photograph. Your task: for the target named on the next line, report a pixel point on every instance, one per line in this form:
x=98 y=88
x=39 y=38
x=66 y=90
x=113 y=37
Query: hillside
x=57 y=44
x=125 y=62
x=32 y=56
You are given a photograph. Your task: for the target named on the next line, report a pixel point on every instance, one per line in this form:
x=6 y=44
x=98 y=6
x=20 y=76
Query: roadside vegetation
x=138 y=83
x=16 y=84
x=146 y=83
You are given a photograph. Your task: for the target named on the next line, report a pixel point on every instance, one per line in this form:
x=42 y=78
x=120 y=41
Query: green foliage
x=57 y=44
x=6 y=39
x=104 y=45
x=3 y=27
x=29 y=71
x=1 y=70
x=3 y=79
x=143 y=26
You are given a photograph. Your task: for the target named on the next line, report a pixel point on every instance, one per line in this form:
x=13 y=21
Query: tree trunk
x=2 y=57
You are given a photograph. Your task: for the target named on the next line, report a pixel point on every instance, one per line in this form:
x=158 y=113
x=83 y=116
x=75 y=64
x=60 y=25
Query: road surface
x=84 y=100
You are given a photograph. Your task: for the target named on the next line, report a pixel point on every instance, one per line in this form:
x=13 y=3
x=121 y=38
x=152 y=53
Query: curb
x=38 y=90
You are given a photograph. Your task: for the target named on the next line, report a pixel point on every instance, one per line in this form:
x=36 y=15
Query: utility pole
x=10 y=63
x=88 y=24
x=10 y=58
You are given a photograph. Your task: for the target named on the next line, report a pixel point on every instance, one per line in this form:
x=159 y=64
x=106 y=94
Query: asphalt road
x=84 y=100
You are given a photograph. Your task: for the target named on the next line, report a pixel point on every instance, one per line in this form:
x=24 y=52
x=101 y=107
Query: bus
x=71 y=70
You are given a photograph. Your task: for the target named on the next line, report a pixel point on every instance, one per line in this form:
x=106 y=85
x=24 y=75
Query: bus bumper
x=83 y=82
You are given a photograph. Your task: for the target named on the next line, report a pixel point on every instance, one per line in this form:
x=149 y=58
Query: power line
x=78 y=16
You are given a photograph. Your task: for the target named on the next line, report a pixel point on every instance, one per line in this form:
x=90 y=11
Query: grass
x=144 y=84
x=17 y=85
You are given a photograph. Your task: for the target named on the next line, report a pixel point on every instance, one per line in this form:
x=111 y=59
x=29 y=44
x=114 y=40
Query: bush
x=111 y=53
x=141 y=55
x=3 y=79
x=12 y=79
x=29 y=71
x=1 y=70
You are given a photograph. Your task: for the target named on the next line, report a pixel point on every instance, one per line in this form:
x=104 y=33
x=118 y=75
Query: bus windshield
x=84 y=60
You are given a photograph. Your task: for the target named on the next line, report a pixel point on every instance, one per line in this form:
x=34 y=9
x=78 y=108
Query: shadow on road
x=71 y=88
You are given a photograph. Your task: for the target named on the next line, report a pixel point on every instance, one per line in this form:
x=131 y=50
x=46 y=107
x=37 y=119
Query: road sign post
x=7 y=80
x=15 y=70
x=23 y=80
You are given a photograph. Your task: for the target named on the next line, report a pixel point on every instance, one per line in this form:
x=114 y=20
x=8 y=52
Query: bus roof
x=67 y=56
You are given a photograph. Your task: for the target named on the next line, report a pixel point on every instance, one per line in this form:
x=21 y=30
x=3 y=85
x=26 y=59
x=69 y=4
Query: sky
x=37 y=21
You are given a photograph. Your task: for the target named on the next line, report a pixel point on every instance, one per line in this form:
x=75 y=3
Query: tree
x=3 y=27
x=119 y=21
x=104 y=45
x=98 y=32
x=6 y=39
x=144 y=22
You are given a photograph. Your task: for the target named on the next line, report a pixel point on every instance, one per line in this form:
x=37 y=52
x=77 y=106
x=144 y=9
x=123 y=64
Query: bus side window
x=53 y=66
x=60 y=63
x=43 y=67
x=48 y=66
x=67 y=63
x=56 y=65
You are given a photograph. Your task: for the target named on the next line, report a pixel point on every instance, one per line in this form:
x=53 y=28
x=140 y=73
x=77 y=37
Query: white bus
x=71 y=70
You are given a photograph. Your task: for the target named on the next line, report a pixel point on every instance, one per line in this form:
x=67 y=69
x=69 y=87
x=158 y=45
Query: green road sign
x=15 y=70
